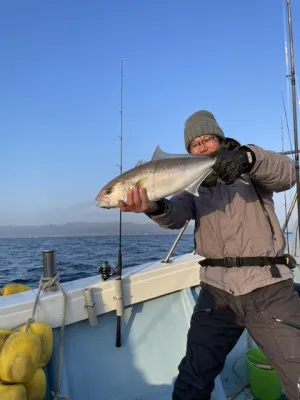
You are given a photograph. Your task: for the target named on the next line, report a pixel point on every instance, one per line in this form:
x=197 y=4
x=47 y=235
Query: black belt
x=231 y=262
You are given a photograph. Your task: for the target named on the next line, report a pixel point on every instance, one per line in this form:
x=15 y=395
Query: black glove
x=231 y=164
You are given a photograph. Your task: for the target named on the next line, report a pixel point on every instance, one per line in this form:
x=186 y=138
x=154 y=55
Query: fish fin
x=159 y=154
x=140 y=183
x=194 y=187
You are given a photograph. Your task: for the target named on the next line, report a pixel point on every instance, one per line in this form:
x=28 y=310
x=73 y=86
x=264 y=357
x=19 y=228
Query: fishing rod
x=288 y=216
x=291 y=152
x=285 y=204
x=285 y=153
x=293 y=83
x=118 y=280
x=287 y=126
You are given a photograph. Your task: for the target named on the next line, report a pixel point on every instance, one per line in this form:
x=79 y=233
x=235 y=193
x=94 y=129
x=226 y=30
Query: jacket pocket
x=210 y=298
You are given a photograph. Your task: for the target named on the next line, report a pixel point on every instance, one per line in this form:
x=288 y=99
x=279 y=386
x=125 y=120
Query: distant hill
x=85 y=229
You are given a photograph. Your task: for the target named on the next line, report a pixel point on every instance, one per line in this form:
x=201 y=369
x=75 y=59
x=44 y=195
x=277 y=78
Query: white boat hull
x=159 y=300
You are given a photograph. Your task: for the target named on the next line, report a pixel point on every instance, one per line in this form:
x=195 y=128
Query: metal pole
x=296 y=237
x=49 y=263
x=285 y=204
x=166 y=260
x=90 y=306
x=292 y=206
x=286 y=153
x=293 y=83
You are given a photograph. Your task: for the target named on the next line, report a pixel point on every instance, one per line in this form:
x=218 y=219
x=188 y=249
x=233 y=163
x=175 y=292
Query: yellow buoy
x=13 y=288
x=20 y=357
x=4 y=334
x=36 y=387
x=44 y=331
x=12 y=392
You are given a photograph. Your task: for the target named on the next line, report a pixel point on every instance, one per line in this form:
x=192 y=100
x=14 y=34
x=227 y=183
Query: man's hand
x=231 y=164
x=137 y=202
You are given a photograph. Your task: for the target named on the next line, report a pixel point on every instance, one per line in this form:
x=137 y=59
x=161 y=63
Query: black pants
x=217 y=323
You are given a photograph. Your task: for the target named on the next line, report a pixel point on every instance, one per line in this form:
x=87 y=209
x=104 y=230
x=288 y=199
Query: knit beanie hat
x=201 y=123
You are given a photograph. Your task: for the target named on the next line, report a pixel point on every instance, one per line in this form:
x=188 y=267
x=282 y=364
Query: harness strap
x=237 y=262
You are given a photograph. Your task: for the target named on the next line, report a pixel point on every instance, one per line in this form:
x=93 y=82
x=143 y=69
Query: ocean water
x=21 y=260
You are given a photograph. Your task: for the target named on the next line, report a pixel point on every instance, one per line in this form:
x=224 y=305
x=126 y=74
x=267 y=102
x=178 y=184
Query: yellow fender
x=36 y=387
x=4 y=334
x=20 y=357
x=12 y=392
x=13 y=288
x=44 y=331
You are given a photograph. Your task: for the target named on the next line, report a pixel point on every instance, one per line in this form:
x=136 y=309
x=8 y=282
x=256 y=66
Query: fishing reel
x=106 y=271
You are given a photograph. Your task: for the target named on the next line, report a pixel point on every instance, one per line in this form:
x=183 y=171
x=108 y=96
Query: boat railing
x=167 y=259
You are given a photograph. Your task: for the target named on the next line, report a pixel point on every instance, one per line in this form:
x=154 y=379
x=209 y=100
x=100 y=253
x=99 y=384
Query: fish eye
x=109 y=190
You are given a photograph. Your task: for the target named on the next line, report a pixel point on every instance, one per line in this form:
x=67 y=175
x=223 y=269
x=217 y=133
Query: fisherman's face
x=206 y=144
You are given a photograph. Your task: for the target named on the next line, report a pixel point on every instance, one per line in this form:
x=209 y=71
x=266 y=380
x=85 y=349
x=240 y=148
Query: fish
x=163 y=176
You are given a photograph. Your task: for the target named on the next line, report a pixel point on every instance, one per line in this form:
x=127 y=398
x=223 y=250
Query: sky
x=60 y=91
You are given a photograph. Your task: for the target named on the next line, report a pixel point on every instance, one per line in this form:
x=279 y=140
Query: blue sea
x=21 y=260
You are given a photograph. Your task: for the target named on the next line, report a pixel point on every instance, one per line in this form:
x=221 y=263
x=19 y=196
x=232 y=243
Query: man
x=245 y=281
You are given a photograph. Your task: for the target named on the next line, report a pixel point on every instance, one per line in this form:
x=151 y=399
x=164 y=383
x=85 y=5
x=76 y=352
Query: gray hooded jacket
x=231 y=222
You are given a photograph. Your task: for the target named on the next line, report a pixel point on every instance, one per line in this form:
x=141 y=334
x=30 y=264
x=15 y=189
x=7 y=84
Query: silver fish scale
x=161 y=178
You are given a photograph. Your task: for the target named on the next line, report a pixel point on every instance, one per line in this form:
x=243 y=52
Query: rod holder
x=90 y=306
x=119 y=297
x=49 y=263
